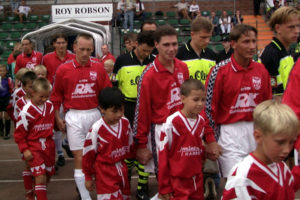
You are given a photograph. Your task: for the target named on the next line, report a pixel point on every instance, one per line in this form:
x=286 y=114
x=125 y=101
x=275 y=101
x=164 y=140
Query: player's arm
x=89 y=155
x=18 y=64
x=142 y=121
x=21 y=132
x=164 y=188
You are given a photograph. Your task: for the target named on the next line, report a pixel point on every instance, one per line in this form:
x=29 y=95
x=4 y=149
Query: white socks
x=79 y=179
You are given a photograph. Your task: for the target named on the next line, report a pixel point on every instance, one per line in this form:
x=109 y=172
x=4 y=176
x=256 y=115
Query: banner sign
x=86 y=12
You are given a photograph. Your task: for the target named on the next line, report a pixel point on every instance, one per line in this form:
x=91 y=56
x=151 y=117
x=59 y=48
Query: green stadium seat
x=45 y=18
x=219 y=47
x=3 y=62
x=6 y=27
x=173 y=22
x=41 y=24
x=148 y=15
x=6 y=54
x=33 y=18
x=180 y=40
x=216 y=38
x=10 y=44
x=160 y=22
x=229 y=13
x=184 y=22
x=210 y=46
x=19 y=26
x=171 y=14
x=3 y=36
x=11 y=19
x=30 y=26
x=187 y=38
x=159 y=14
x=15 y=35
x=137 y=23
x=218 y=13
x=205 y=13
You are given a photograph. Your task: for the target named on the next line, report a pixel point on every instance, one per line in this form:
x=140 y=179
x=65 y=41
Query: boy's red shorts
x=43 y=152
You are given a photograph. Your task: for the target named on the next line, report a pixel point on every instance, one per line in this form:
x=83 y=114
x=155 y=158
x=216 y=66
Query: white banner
x=86 y=12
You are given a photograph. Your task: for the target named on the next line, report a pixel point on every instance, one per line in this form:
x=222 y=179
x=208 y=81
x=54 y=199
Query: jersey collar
x=278 y=44
x=189 y=48
x=160 y=68
x=77 y=65
x=236 y=67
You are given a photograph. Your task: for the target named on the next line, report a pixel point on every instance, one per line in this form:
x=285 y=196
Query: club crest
x=256 y=82
x=93 y=75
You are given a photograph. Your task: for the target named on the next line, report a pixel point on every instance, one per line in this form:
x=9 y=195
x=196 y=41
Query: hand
x=165 y=196
x=61 y=124
x=27 y=155
x=213 y=150
x=143 y=155
x=89 y=185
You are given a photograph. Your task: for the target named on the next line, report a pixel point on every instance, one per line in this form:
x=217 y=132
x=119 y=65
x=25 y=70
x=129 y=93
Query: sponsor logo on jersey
x=256 y=82
x=34 y=59
x=174 y=98
x=84 y=90
x=42 y=127
x=30 y=65
x=190 y=151
x=119 y=152
x=93 y=75
x=245 y=103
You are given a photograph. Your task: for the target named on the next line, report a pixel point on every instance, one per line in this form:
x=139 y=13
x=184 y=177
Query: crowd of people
x=162 y=109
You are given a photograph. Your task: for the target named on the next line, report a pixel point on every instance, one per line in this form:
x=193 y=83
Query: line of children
x=33 y=134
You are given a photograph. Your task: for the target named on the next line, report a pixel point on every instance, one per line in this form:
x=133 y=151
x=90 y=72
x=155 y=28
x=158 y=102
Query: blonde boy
x=263 y=174
x=41 y=71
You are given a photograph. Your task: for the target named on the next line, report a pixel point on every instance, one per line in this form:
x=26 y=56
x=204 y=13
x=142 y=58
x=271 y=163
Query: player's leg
x=142 y=188
x=7 y=126
x=28 y=182
x=41 y=187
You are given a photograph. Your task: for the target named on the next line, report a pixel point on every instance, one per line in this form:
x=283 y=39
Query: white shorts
x=237 y=141
x=78 y=123
x=150 y=166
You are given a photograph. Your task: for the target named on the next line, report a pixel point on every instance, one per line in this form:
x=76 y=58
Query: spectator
x=128 y=15
x=14 y=4
x=194 y=9
x=228 y=50
x=139 y=10
x=183 y=8
x=17 y=47
x=237 y=18
x=129 y=41
x=215 y=21
x=225 y=23
x=22 y=11
x=273 y=9
x=106 y=55
x=120 y=12
x=148 y=26
x=256 y=7
x=109 y=68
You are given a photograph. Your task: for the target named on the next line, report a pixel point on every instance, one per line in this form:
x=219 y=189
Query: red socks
x=41 y=191
x=27 y=178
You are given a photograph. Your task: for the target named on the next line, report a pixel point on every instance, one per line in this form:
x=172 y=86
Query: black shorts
x=4 y=103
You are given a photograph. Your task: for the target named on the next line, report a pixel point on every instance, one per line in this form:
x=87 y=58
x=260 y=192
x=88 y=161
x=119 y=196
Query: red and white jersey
x=233 y=91
x=78 y=87
x=158 y=96
x=106 y=144
x=181 y=145
x=252 y=179
x=108 y=56
x=52 y=61
x=34 y=122
x=16 y=95
x=19 y=106
x=291 y=95
x=24 y=61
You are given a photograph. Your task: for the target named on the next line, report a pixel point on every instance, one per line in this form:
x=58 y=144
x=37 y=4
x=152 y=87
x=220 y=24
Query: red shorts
x=43 y=152
x=112 y=181
x=187 y=188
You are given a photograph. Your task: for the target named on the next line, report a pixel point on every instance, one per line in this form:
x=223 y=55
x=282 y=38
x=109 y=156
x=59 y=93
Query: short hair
x=59 y=35
x=165 y=30
x=21 y=72
x=147 y=22
x=111 y=97
x=283 y=15
x=146 y=37
x=41 y=84
x=109 y=62
x=16 y=53
x=271 y=117
x=40 y=68
x=189 y=85
x=85 y=36
x=29 y=76
x=104 y=45
x=239 y=30
x=27 y=38
x=130 y=36
x=201 y=23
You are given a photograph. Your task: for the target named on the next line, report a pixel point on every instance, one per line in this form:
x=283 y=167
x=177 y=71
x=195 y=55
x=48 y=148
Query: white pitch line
x=58 y=179
x=18 y=160
x=4 y=145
